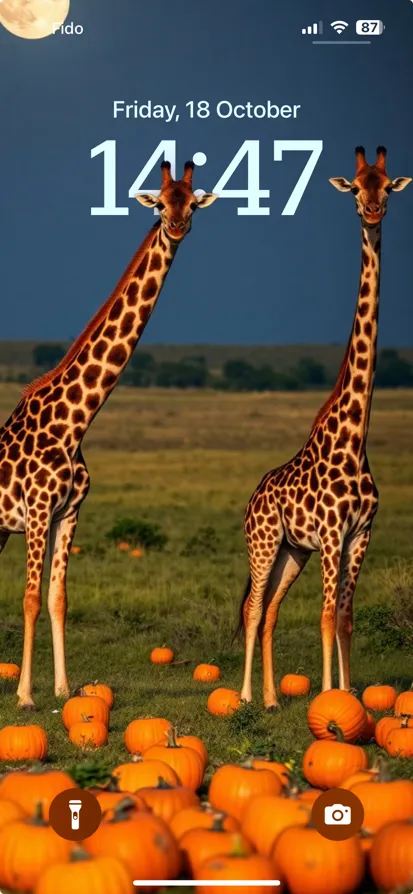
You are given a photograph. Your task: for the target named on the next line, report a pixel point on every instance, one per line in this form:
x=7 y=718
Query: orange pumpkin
x=232 y=786
x=223 y=701
x=84 y=875
x=327 y=764
x=306 y=860
x=238 y=866
x=75 y=550
x=384 y=802
x=137 y=553
x=266 y=816
x=9 y=671
x=189 y=742
x=379 y=698
x=88 y=733
x=404 y=703
x=187 y=763
x=198 y=845
x=102 y=690
x=201 y=817
x=142 y=841
x=369 y=775
x=369 y=731
x=399 y=742
x=206 y=673
x=32 y=787
x=275 y=766
x=391 y=857
x=141 y=734
x=10 y=811
x=110 y=800
x=166 y=800
x=295 y=684
x=137 y=774
x=19 y=743
x=83 y=705
x=309 y=795
x=383 y=727
x=336 y=708
x=123 y=546
x=27 y=848
x=162 y=655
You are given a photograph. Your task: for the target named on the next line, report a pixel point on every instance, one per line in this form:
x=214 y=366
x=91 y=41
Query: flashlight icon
x=75 y=808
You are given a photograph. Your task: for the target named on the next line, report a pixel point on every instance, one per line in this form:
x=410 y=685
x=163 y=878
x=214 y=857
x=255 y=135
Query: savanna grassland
x=188 y=462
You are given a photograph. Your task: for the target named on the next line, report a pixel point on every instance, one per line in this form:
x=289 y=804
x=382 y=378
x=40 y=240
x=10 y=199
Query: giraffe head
x=176 y=202
x=371 y=186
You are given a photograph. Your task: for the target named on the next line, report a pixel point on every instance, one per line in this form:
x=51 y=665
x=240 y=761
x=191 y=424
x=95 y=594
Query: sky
x=238 y=278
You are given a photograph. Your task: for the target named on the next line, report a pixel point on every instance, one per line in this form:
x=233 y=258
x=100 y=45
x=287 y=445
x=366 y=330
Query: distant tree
x=393 y=371
x=141 y=370
x=184 y=374
x=311 y=373
x=48 y=355
x=238 y=375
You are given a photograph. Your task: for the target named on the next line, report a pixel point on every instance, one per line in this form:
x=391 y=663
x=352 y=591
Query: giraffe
x=43 y=476
x=324 y=499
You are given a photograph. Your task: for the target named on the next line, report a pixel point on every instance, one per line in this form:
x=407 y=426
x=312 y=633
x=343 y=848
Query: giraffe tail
x=240 y=625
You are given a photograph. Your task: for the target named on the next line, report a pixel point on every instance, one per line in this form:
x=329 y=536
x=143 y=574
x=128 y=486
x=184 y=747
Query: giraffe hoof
x=272 y=709
x=26 y=706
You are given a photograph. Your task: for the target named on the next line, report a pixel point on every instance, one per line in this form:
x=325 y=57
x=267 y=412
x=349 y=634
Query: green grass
x=189 y=462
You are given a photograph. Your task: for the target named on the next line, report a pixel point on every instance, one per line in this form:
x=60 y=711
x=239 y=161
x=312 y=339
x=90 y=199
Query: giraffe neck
x=88 y=373
x=352 y=394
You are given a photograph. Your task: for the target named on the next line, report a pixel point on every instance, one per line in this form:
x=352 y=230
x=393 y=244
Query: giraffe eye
x=194 y=206
x=355 y=190
x=388 y=189
x=160 y=206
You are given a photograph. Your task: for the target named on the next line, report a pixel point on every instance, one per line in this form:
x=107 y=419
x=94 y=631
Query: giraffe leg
x=260 y=570
x=61 y=537
x=352 y=560
x=36 y=540
x=330 y=567
x=288 y=565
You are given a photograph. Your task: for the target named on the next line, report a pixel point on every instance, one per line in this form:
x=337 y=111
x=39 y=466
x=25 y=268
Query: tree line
x=143 y=371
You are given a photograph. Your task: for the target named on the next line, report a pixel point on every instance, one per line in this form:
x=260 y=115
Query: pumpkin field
x=159 y=562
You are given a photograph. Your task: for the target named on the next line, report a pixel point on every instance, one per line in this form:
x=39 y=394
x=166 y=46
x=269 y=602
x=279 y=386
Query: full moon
x=32 y=18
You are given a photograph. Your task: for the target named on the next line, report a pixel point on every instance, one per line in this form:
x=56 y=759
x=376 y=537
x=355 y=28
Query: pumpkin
x=123 y=546
x=237 y=866
x=404 y=703
x=84 y=875
x=162 y=655
x=295 y=684
x=19 y=743
x=391 y=857
x=309 y=795
x=399 y=742
x=88 y=733
x=368 y=775
x=198 y=845
x=100 y=689
x=10 y=811
x=109 y=800
x=83 y=705
x=27 y=848
x=9 y=671
x=379 y=698
x=166 y=800
x=201 y=817
x=333 y=708
x=75 y=550
x=232 y=787
x=223 y=701
x=383 y=727
x=275 y=766
x=369 y=732
x=141 y=734
x=138 y=774
x=206 y=673
x=307 y=862
x=142 y=841
x=190 y=742
x=327 y=764
x=136 y=553
x=30 y=787
x=384 y=801
x=266 y=816
x=187 y=763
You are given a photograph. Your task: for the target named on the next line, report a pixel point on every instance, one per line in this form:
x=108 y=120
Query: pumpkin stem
x=299 y=670
x=122 y=810
x=238 y=847
x=171 y=735
x=86 y=719
x=217 y=823
x=248 y=764
x=79 y=855
x=38 y=817
x=136 y=758
x=163 y=784
x=334 y=728
x=381 y=770
x=405 y=721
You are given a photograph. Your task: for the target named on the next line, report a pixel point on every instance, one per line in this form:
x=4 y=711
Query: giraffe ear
x=206 y=199
x=400 y=183
x=145 y=198
x=341 y=184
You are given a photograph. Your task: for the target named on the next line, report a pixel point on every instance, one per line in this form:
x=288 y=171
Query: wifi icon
x=339 y=26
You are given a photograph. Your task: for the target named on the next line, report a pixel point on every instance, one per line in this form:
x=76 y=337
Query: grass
x=188 y=463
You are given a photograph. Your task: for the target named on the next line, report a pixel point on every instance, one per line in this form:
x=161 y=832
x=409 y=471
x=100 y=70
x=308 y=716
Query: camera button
x=337 y=814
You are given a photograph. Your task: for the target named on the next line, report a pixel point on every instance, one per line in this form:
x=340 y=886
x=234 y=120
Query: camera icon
x=337 y=815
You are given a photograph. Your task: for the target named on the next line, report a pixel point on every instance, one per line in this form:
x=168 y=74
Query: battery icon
x=369 y=26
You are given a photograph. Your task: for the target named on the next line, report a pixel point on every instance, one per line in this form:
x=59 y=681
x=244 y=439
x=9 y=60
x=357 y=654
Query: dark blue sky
x=236 y=279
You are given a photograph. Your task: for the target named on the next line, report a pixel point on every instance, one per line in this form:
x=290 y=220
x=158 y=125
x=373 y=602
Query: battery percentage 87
x=369 y=26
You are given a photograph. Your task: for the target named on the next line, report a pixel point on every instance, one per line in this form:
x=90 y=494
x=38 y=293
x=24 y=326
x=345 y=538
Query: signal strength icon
x=339 y=26
x=314 y=29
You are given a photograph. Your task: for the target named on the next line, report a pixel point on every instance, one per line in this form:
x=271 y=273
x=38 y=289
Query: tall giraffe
x=43 y=476
x=324 y=499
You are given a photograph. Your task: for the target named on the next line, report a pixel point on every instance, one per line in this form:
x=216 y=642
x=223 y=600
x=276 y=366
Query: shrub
x=138 y=533
x=204 y=543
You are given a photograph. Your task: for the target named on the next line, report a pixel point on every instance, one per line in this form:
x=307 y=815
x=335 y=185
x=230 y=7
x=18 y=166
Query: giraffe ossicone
x=324 y=499
x=43 y=476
